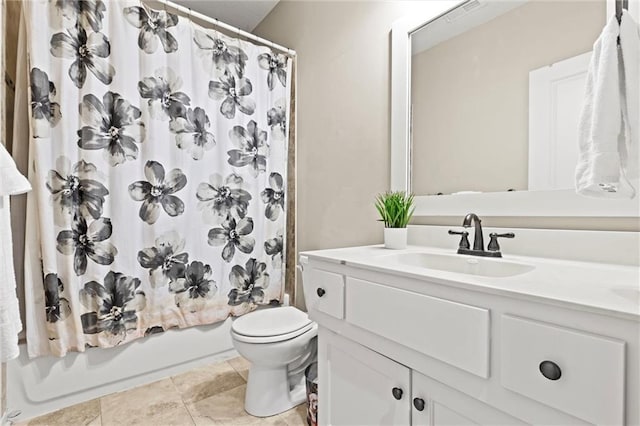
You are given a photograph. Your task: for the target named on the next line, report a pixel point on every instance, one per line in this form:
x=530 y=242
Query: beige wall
x=343 y=113
x=470 y=94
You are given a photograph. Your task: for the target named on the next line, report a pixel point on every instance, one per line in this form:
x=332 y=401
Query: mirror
x=496 y=90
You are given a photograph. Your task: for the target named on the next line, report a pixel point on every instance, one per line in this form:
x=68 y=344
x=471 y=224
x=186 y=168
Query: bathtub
x=46 y=384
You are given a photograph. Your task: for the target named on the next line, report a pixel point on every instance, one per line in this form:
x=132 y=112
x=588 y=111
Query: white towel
x=604 y=143
x=630 y=47
x=11 y=183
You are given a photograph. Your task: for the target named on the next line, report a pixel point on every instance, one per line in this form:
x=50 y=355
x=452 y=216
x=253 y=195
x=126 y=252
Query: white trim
x=401 y=89
x=547 y=156
x=535 y=203
x=558 y=203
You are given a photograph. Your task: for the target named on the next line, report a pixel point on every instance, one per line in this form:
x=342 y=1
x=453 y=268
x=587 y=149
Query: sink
x=462 y=264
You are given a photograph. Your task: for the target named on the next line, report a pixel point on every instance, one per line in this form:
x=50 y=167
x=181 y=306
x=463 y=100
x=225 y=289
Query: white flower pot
x=395 y=238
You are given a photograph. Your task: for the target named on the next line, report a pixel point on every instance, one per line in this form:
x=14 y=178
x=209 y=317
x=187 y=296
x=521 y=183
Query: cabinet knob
x=320 y=292
x=418 y=403
x=550 y=370
x=397 y=393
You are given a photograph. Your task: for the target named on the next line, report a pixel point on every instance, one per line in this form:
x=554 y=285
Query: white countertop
x=596 y=287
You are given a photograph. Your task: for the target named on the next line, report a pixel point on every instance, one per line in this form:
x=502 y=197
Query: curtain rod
x=191 y=13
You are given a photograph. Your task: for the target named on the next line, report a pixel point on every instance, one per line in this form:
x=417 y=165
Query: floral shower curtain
x=158 y=155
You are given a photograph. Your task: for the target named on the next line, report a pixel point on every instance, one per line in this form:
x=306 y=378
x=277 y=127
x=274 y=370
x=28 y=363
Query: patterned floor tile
x=86 y=413
x=158 y=403
x=241 y=365
x=203 y=382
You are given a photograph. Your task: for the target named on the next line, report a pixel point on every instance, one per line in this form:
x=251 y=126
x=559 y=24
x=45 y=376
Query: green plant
x=395 y=208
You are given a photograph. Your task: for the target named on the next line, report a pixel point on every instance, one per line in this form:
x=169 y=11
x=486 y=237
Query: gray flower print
x=235 y=92
x=87 y=51
x=274 y=248
x=277 y=120
x=113 y=126
x=165 y=260
x=220 y=198
x=57 y=308
x=75 y=190
x=113 y=306
x=219 y=55
x=252 y=148
x=194 y=288
x=191 y=133
x=233 y=235
x=157 y=191
x=84 y=242
x=44 y=111
x=88 y=13
x=276 y=64
x=153 y=26
x=274 y=197
x=165 y=101
x=248 y=283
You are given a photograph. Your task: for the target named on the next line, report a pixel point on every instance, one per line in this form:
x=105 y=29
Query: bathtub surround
x=162 y=204
x=211 y=393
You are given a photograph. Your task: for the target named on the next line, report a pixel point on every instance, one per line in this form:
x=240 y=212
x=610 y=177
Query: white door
x=435 y=404
x=358 y=386
x=556 y=95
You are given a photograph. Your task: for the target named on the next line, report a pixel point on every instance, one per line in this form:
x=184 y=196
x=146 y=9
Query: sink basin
x=462 y=264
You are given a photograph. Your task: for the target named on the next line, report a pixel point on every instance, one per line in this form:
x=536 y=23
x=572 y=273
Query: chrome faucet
x=493 y=250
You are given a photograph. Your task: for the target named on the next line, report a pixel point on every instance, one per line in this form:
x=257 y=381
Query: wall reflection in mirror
x=496 y=94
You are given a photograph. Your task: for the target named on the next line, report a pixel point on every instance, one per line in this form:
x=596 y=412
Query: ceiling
x=244 y=14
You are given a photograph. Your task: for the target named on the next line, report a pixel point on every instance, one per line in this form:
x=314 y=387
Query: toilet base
x=268 y=392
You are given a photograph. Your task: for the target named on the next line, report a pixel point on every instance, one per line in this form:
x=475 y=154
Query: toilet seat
x=271 y=325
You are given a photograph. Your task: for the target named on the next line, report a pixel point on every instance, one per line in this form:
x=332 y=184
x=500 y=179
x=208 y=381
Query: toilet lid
x=271 y=322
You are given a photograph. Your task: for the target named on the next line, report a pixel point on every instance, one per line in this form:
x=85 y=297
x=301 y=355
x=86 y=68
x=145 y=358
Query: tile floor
x=210 y=395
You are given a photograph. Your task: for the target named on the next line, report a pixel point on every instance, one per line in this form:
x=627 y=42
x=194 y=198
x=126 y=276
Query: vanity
x=426 y=336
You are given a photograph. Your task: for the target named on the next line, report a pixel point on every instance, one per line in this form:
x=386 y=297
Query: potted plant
x=395 y=209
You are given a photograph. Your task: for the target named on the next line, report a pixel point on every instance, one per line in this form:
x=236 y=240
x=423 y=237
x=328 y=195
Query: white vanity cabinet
x=399 y=349
x=363 y=387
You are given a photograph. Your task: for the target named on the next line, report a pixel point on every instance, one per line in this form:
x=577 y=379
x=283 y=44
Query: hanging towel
x=11 y=183
x=605 y=143
x=630 y=48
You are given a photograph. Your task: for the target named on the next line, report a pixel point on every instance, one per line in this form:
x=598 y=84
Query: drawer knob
x=320 y=292
x=397 y=393
x=418 y=403
x=550 y=370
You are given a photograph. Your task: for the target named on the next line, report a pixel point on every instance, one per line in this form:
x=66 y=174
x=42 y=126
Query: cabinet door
x=359 y=386
x=446 y=406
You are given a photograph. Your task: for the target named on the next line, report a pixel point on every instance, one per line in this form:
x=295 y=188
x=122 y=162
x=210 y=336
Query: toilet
x=279 y=343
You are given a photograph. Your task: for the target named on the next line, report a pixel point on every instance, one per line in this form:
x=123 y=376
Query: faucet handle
x=464 y=241
x=493 y=242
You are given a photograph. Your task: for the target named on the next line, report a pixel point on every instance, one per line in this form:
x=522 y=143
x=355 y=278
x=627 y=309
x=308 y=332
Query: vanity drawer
x=451 y=332
x=591 y=369
x=325 y=293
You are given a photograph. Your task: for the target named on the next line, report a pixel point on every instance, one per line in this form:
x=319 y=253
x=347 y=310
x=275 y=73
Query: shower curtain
x=158 y=157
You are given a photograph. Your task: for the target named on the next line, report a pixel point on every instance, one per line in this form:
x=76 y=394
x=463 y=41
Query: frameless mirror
x=496 y=93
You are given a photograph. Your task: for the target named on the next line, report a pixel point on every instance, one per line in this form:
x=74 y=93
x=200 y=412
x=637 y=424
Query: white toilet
x=279 y=343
